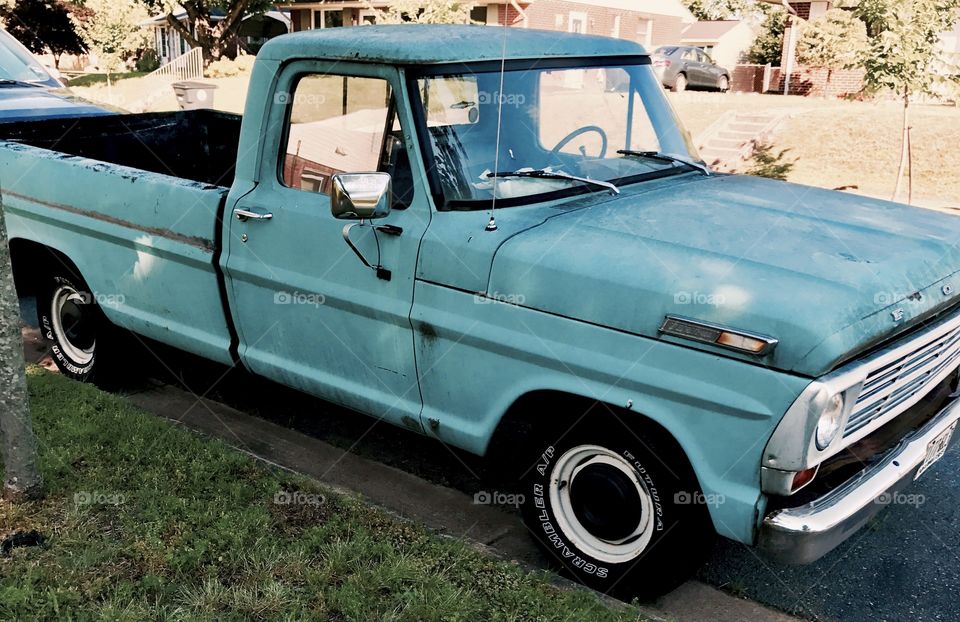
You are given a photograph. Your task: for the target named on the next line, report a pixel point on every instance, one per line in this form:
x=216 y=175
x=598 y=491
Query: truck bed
x=198 y=145
x=136 y=201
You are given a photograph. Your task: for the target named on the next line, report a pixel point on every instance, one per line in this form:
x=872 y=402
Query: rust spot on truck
x=427 y=331
x=411 y=423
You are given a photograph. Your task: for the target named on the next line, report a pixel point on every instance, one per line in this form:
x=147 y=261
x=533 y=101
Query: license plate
x=936 y=449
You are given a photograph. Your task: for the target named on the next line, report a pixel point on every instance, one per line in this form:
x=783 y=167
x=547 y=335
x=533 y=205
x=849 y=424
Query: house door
x=578 y=25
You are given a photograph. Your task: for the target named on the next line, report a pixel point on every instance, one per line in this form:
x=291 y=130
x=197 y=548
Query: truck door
x=308 y=312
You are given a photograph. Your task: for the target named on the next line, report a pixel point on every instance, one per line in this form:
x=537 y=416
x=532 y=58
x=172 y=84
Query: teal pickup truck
x=503 y=239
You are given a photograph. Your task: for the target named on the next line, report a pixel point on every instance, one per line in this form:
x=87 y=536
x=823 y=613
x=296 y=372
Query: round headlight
x=829 y=425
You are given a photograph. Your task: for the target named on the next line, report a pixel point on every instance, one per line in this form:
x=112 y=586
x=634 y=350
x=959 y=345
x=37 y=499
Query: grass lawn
x=840 y=143
x=91 y=79
x=144 y=520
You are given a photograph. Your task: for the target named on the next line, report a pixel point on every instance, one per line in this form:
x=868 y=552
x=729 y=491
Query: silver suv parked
x=681 y=67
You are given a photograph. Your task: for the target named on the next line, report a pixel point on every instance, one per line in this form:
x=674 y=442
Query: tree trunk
x=22 y=479
x=904 y=144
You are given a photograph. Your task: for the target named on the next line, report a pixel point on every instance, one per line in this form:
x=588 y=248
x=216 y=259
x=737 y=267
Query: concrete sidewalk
x=444 y=510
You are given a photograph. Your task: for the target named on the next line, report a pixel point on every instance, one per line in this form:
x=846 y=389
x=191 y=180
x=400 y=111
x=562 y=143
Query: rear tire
x=82 y=339
x=723 y=84
x=680 y=83
x=618 y=511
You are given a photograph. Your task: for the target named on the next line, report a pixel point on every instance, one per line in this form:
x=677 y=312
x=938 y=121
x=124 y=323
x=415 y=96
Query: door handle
x=244 y=215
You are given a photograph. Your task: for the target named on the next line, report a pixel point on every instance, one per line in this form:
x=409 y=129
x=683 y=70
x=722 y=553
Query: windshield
x=576 y=121
x=16 y=63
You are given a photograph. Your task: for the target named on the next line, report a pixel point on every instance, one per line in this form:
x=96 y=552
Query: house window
x=313 y=181
x=478 y=14
x=616 y=27
x=163 y=43
x=645 y=32
x=327 y=19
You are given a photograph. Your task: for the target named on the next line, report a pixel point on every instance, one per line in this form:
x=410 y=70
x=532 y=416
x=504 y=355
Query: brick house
x=650 y=22
x=813 y=81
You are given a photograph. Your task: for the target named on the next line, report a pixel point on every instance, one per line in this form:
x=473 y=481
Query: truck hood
x=26 y=103
x=827 y=274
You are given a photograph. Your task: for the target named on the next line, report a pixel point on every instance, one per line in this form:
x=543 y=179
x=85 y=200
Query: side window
x=341 y=124
x=690 y=55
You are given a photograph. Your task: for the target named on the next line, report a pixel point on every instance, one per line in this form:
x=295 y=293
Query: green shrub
x=148 y=61
x=226 y=68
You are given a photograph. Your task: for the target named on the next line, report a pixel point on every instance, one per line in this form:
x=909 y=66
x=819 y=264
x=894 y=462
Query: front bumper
x=806 y=533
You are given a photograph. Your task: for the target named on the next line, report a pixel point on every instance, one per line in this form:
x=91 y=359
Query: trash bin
x=194 y=95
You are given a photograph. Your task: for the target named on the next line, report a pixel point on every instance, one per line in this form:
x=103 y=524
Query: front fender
x=476 y=358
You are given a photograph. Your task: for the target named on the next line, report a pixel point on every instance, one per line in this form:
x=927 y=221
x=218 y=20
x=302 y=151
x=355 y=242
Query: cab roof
x=411 y=44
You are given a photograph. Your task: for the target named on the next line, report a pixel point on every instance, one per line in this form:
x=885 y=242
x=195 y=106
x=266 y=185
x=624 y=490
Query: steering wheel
x=587 y=129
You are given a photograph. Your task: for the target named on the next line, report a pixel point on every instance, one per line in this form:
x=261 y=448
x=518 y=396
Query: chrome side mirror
x=361 y=196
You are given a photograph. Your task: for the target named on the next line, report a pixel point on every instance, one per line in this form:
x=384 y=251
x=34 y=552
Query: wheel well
x=30 y=260
x=524 y=424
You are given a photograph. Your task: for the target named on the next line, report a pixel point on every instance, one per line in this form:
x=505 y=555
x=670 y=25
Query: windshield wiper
x=656 y=155
x=545 y=174
x=9 y=82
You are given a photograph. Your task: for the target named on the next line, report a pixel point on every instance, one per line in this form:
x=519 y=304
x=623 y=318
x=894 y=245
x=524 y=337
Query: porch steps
x=732 y=138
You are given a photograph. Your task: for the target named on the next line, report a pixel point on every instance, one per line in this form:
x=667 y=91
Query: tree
x=111 y=29
x=211 y=25
x=710 y=10
x=19 y=447
x=425 y=12
x=835 y=40
x=768 y=46
x=42 y=25
x=905 y=55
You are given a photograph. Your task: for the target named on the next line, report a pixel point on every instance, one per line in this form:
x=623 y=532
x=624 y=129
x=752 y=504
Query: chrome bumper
x=804 y=534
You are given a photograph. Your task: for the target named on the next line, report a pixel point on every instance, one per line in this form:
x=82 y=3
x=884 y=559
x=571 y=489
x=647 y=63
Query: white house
x=726 y=41
x=253 y=33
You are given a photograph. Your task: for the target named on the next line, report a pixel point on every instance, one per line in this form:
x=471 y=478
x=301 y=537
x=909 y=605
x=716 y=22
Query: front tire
x=71 y=320
x=617 y=513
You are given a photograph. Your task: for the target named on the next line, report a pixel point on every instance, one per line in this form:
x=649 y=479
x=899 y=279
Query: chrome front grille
x=904 y=375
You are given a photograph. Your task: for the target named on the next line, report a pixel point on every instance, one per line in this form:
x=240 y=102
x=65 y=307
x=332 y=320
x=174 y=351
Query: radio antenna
x=492 y=223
